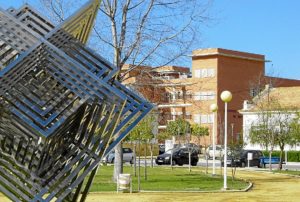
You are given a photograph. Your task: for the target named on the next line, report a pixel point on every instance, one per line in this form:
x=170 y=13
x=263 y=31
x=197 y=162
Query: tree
x=178 y=127
x=199 y=132
x=265 y=132
x=162 y=136
x=235 y=149
x=284 y=131
x=142 y=32
x=295 y=129
x=274 y=128
x=142 y=132
x=139 y=32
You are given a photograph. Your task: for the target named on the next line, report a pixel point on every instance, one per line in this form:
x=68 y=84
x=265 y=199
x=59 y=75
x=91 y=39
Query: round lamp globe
x=213 y=107
x=226 y=96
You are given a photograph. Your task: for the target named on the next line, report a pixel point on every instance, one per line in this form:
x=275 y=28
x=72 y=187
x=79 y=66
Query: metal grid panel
x=63 y=108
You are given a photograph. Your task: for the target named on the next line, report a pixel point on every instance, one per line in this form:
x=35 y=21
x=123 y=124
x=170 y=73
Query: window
x=204 y=73
x=188 y=95
x=197 y=118
x=210 y=95
x=205 y=95
x=198 y=73
x=188 y=115
x=210 y=118
x=210 y=72
x=197 y=96
x=127 y=150
x=176 y=95
x=203 y=118
x=254 y=92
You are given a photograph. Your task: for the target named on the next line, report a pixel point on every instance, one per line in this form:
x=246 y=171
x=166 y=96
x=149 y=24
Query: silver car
x=219 y=152
x=128 y=156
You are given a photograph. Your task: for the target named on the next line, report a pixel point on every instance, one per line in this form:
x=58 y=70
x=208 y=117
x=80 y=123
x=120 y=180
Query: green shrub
x=293 y=156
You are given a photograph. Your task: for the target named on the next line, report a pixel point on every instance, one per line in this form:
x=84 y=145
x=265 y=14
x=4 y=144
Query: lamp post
x=226 y=97
x=214 y=108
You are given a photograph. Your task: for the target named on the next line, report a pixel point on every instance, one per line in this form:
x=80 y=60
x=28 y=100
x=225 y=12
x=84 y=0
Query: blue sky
x=268 y=27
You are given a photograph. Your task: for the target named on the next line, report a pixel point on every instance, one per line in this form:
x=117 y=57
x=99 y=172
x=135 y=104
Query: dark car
x=198 y=148
x=241 y=159
x=180 y=156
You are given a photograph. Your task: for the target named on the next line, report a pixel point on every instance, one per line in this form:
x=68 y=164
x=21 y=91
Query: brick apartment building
x=181 y=92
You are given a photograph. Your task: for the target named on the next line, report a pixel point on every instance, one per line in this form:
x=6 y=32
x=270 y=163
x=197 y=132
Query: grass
x=166 y=179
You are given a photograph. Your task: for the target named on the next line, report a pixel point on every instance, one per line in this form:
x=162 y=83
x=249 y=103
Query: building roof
x=273 y=99
x=172 y=69
x=227 y=53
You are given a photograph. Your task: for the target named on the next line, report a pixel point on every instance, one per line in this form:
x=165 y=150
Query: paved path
x=267 y=187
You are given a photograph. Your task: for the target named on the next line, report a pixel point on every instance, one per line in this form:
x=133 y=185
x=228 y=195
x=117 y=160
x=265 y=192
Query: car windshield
x=172 y=150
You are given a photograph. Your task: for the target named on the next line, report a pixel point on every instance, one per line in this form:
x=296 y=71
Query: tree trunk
x=206 y=167
x=270 y=158
x=281 y=157
x=145 y=171
x=151 y=151
x=190 y=161
x=139 y=171
x=233 y=170
x=134 y=158
x=118 y=162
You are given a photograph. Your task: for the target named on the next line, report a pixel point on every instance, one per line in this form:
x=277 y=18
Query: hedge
x=293 y=156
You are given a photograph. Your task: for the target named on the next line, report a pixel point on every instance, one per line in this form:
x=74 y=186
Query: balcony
x=164 y=119
x=174 y=105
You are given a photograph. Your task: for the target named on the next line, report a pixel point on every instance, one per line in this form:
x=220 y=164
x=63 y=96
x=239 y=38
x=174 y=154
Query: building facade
x=274 y=108
x=188 y=93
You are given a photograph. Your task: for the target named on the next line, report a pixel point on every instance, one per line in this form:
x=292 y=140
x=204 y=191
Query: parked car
x=241 y=160
x=218 y=152
x=180 y=156
x=128 y=156
x=193 y=146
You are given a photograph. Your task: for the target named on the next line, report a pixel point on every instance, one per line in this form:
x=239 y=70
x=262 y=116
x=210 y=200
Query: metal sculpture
x=62 y=111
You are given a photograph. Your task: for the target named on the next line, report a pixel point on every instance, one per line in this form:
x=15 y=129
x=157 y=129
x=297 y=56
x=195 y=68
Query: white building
x=287 y=98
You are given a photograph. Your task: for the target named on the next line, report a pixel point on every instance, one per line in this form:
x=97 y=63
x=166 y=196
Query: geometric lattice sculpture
x=63 y=109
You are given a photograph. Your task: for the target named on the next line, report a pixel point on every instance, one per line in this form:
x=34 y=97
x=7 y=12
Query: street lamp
x=226 y=97
x=214 y=108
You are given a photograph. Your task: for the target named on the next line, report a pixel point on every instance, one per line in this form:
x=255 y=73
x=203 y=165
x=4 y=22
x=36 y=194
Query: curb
x=212 y=191
x=275 y=173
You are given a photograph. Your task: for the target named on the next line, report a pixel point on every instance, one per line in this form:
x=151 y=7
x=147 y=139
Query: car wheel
x=131 y=161
x=112 y=160
x=194 y=163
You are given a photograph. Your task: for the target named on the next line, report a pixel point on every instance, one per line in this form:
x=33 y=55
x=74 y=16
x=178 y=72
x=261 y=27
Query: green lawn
x=166 y=179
